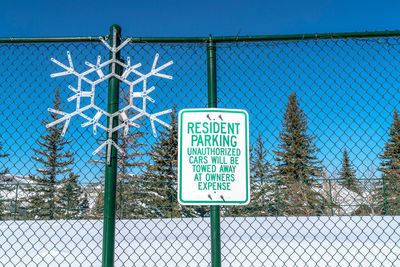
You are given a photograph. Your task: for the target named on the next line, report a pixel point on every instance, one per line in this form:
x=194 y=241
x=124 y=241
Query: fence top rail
x=216 y=39
x=259 y=38
x=25 y=40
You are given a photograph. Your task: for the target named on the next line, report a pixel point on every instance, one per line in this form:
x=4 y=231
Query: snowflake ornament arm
x=125 y=121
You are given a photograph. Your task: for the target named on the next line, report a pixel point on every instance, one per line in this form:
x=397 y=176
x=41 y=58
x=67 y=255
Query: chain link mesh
x=346 y=88
x=348 y=91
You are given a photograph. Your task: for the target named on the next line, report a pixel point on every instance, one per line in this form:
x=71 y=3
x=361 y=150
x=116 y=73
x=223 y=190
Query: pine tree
x=387 y=190
x=130 y=165
x=347 y=175
x=262 y=186
x=369 y=188
x=55 y=170
x=297 y=167
x=97 y=211
x=69 y=195
x=161 y=174
x=84 y=207
x=260 y=168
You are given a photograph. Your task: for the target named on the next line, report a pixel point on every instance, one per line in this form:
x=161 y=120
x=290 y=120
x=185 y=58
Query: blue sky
x=349 y=112
x=195 y=18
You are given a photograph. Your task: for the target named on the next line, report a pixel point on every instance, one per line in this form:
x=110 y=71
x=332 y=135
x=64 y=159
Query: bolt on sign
x=213 y=157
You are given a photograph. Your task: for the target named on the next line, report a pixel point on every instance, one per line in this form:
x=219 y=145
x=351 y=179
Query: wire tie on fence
x=237 y=35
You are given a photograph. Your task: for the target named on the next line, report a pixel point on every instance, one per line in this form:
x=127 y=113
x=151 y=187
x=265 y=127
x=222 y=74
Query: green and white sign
x=213 y=157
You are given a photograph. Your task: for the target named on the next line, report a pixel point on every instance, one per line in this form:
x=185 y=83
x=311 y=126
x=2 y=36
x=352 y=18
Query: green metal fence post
x=111 y=167
x=212 y=103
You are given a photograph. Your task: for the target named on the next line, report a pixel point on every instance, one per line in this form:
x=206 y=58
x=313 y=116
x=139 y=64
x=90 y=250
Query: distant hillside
x=13 y=191
x=11 y=179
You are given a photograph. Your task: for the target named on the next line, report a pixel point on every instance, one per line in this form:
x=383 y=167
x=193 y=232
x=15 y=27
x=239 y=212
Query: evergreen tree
x=98 y=209
x=387 y=191
x=260 y=168
x=55 y=170
x=369 y=188
x=161 y=174
x=297 y=167
x=347 y=175
x=84 y=207
x=262 y=184
x=69 y=196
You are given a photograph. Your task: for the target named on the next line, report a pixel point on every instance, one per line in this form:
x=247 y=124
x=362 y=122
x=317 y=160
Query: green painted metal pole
x=111 y=166
x=212 y=103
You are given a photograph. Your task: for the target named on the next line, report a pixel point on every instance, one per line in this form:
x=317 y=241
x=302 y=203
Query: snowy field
x=264 y=241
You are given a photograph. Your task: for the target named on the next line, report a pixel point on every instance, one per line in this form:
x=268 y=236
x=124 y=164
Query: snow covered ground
x=263 y=241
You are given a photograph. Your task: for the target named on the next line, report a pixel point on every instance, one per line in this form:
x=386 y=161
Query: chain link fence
x=326 y=106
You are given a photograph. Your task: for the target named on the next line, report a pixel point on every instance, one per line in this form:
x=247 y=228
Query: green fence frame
x=113 y=93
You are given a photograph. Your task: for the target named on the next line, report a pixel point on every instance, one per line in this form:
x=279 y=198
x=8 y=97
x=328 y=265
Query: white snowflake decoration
x=125 y=121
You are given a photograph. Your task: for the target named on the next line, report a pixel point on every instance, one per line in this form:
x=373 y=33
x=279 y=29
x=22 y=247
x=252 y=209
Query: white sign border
x=213 y=202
